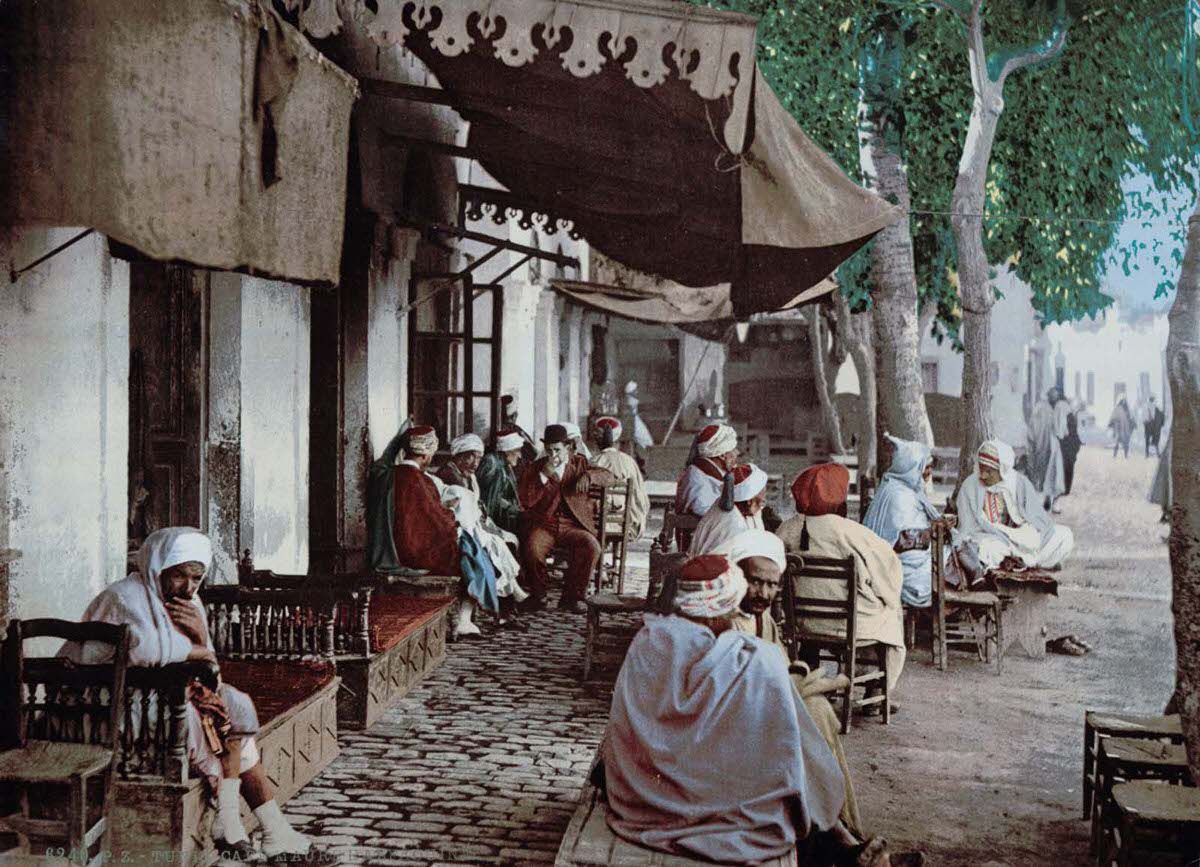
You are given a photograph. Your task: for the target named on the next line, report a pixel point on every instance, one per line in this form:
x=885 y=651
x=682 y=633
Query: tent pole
x=687 y=391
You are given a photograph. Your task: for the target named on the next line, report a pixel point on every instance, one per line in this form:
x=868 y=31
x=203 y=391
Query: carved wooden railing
x=287 y=621
x=63 y=704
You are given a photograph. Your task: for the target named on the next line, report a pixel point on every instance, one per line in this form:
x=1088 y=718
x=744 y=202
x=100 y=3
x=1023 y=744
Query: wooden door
x=166 y=396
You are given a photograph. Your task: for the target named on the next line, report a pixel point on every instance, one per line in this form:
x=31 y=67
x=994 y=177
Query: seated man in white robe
x=167 y=624
x=1001 y=515
x=695 y=705
x=821 y=529
x=714 y=453
x=607 y=434
x=743 y=496
x=761 y=557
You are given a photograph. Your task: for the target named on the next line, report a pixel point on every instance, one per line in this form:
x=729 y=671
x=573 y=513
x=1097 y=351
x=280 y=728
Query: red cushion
x=394 y=616
x=276 y=686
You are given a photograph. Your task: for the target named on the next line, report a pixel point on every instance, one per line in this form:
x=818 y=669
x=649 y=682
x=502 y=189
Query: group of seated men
x=1000 y=523
x=716 y=748
x=495 y=519
x=706 y=690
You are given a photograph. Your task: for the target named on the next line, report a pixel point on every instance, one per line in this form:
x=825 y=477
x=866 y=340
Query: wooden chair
x=61 y=730
x=664 y=567
x=677 y=529
x=1123 y=760
x=962 y=618
x=612 y=527
x=1151 y=822
x=1098 y=726
x=839 y=641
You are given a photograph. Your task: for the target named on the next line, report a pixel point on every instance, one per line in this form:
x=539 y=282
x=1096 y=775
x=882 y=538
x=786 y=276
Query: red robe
x=424 y=530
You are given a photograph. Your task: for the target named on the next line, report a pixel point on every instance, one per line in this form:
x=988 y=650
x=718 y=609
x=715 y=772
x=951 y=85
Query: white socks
x=465 y=626
x=278 y=836
x=228 y=824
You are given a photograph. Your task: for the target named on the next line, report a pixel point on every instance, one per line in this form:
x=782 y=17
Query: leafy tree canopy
x=1109 y=107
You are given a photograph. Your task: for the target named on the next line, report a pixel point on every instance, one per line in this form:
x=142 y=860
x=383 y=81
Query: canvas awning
x=206 y=131
x=621 y=291
x=644 y=122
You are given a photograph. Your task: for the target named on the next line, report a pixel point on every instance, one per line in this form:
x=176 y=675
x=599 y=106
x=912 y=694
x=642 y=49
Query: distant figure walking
x=1121 y=424
x=1045 y=450
x=1152 y=426
x=1071 y=443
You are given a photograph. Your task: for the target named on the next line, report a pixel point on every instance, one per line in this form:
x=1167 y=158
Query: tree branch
x=1048 y=50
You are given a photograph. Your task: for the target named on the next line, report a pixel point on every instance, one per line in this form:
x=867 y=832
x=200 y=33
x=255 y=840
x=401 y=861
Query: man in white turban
x=161 y=605
x=577 y=442
x=714 y=453
x=761 y=557
x=498 y=482
x=466 y=453
x=1001 y=514
x=607 y=434
x=743 y=496
x=423 y=530
x=710 y=753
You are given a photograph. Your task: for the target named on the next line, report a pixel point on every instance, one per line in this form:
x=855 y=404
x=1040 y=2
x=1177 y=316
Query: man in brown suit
x=553 y=491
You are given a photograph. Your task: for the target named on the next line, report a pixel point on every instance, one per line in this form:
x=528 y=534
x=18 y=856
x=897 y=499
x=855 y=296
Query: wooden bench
x=1123 y=760
x=297 y=739
x=383 y=635
x=590 y=841
x=1027 y=596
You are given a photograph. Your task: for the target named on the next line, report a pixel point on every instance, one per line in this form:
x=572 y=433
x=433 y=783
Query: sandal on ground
x=1066 y=646
x=877 y=709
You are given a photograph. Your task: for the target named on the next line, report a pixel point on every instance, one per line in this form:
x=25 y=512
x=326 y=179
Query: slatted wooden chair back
x=677 y=529
x=612 y=527
x=54 y=699
x=664 y=578
x=839 y=613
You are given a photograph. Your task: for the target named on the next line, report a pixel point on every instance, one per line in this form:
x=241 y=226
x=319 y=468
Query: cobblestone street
x=481 y=764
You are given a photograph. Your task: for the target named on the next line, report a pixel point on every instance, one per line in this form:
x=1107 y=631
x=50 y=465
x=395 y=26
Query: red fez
x=706 y=567
x=821 y=490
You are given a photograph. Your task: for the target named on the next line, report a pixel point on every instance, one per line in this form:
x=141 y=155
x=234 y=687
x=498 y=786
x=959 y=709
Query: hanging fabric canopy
x=620 y=290
x=647 y=124
x=109 y=125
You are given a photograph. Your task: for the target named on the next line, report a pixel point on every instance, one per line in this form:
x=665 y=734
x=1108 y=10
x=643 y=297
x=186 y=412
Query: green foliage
x=1108 y=108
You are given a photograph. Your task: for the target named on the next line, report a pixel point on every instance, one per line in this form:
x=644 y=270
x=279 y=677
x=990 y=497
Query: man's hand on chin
x=187 y=620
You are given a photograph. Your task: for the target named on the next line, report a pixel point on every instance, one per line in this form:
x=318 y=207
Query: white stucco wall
x=275 y=425
x=387 y=335
x=1113 y=350
x=64 y=421
x=1014 y=329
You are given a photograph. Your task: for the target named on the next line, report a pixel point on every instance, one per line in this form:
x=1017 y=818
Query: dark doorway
x=166 y=396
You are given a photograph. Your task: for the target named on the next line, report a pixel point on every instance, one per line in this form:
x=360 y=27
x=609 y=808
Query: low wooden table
x=1025 y=615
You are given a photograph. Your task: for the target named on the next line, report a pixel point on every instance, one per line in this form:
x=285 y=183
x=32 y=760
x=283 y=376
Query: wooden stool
x=1152 y=819
x=1097 y=726
x=1128 y=759
x=600 y=604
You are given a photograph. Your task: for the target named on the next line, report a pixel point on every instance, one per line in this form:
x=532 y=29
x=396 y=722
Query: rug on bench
x=394 y=616
x=277 y=686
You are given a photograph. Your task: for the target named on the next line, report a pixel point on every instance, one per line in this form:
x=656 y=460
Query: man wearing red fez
x=558 y=513
x=710 y=752
x=820 y=528
x=714 y=453
x=738 y=510
x=606 y=431
x=423 y=530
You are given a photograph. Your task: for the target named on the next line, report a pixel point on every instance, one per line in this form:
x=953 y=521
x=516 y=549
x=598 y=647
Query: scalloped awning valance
x=650 y=41
x=206 y=131
x=644 y=122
